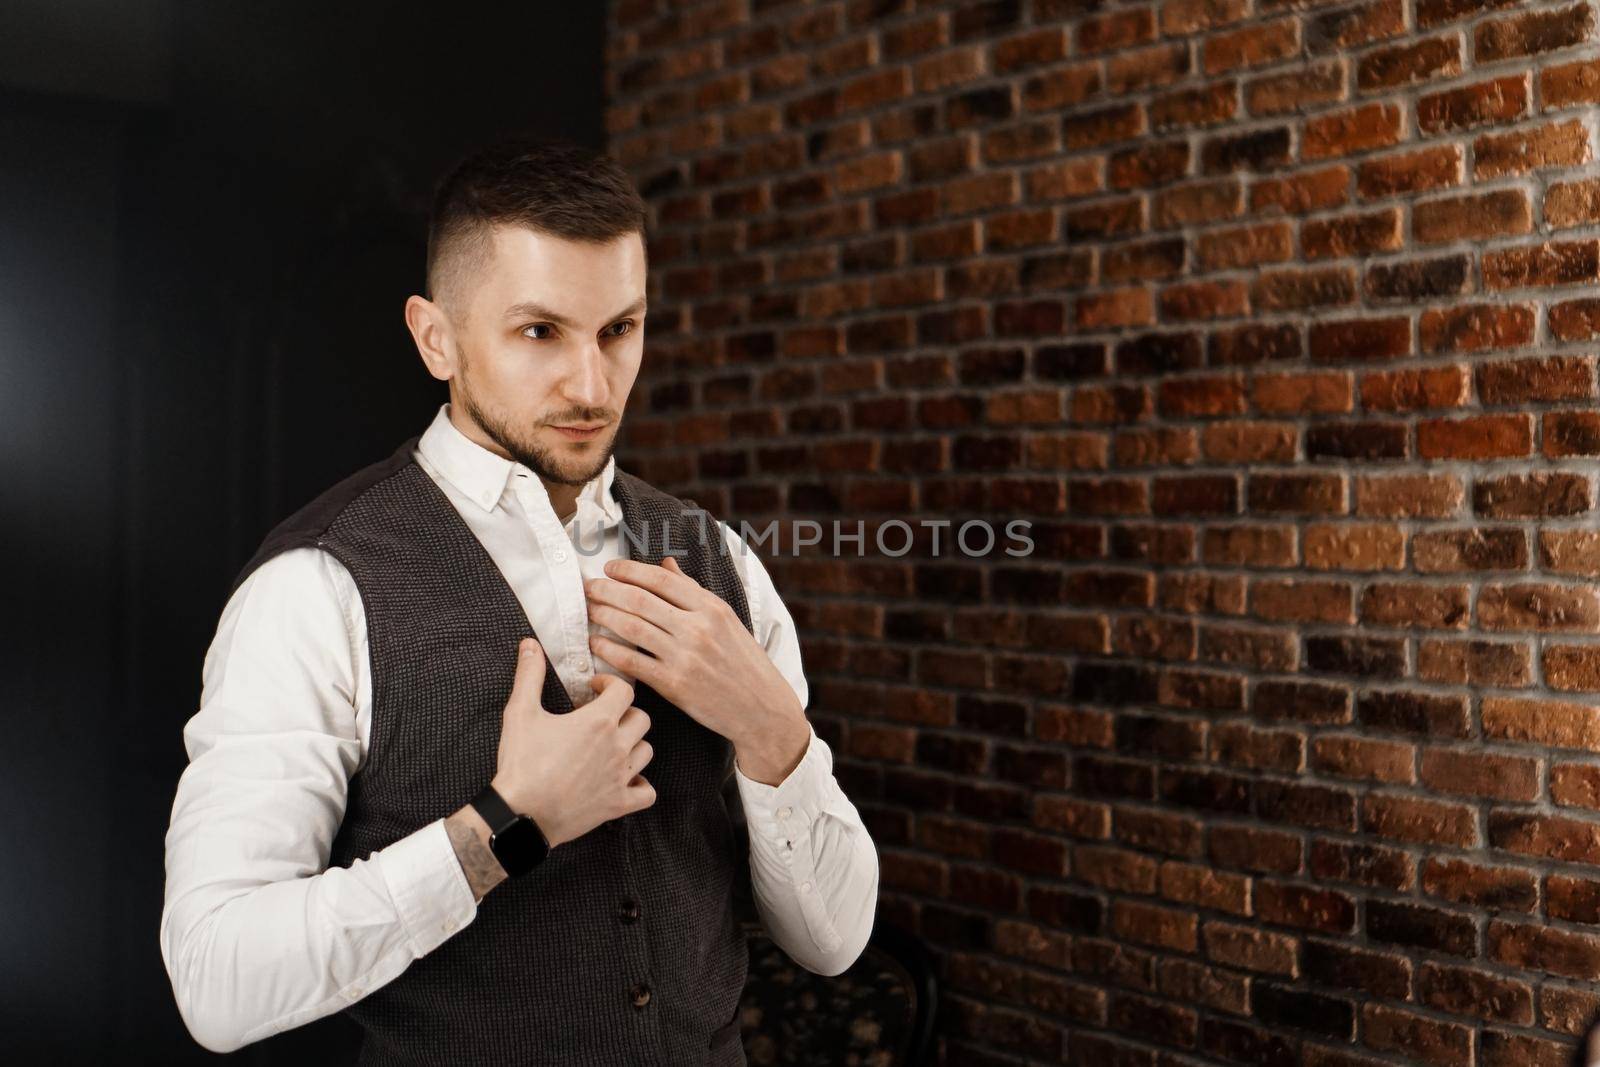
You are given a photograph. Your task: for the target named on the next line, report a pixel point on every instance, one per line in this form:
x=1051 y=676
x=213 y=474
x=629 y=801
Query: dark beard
x=537 y=459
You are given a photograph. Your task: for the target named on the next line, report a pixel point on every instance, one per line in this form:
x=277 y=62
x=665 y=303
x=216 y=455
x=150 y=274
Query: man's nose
x=586 y=383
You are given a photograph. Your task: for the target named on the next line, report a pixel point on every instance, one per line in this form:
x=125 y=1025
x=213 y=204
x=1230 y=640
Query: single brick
x=1417 y=820
x=1532 y=33
x=1416 y=390
x=1570 y=551
x=1416 y=1038
x=1551 y=263
x=1572 y=667
x=1471 y=549
x=1502 y=213
x=1435 y=167
x=1572 y=433
x=1419 y=279
x=1306 y=907
x=1416 y=604
x=1421 y=926
x=1251 y=46
x=1375 y=866
x=1298 y=194
x=1575 y=203
x=1570 y=84
x=1531 y=495
x=1539 y=606
x=1296 y=90
x=1417 y=714
x=1407 y=496
x=1364 y=758
x=1481 y=774
x=1550 y=836
x=1575 y=785
x=1360 y=339
x=1251 y=948
x=1485 y=103
x=1352 y=235
x=1493 y=887
x=1522 y=381
x=1349 y=132
x=1476 y=437
x=1482 y=663
x=1557 y=723
x=1544 y=949
x=1564 y=144
x=1409 y=63
x=1327 y=392
x=1381 y=974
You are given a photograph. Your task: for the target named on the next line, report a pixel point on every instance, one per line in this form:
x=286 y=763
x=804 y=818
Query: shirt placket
x=573 y=665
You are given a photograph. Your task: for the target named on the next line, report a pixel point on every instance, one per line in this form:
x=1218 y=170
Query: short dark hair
x=551 y=185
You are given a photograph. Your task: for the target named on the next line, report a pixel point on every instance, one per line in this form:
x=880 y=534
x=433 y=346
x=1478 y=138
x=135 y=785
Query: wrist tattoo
x=483 y=871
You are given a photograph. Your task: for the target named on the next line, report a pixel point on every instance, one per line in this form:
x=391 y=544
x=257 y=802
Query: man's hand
x=702 y=659
x=568 y=773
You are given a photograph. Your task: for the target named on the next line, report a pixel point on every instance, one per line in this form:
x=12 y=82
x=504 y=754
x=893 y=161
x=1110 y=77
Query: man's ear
x=431 y=330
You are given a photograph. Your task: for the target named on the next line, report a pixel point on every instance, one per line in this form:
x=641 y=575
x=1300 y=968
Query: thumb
x=528 y=686
x=671 y=563
x=603 y=682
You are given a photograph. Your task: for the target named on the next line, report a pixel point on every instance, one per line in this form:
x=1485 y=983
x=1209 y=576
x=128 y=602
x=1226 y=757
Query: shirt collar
x=482 y=476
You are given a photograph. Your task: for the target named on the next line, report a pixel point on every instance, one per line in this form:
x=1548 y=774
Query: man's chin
x=579 y=462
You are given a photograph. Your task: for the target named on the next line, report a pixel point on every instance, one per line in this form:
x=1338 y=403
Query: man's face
x=549 y=334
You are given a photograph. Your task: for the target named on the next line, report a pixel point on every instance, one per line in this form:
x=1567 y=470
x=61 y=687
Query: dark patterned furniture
x=879 y=1013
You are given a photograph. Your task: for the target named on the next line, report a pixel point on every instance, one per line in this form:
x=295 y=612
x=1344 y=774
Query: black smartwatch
x=516 y=840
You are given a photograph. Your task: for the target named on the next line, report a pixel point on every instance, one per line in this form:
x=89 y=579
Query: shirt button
x=783 y=813
x=560 y=556
x=641 y=995
x=805 y=887
x=629 y=912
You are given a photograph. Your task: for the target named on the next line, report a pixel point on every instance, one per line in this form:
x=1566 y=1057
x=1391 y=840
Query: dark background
x=210 y=218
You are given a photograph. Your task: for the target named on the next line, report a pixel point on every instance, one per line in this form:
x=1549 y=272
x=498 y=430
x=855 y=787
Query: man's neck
x=563 y=499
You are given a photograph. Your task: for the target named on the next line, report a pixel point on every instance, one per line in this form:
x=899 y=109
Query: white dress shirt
x=259 y=935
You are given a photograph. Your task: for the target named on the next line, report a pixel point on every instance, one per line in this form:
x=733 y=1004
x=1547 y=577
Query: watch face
x=519 y=847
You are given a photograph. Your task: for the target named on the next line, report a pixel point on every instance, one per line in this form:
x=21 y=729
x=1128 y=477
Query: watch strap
x=494 y=809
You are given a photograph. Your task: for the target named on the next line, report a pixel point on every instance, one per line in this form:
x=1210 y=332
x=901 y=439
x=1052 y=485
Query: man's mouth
x=580 y=431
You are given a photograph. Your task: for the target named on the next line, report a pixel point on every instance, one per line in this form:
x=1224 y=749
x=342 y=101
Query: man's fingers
x=673 y=586
x=612 y=693
x=528 y=686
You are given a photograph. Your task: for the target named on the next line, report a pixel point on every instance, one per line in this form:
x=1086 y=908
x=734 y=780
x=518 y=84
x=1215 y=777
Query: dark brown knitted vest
x=624 y=946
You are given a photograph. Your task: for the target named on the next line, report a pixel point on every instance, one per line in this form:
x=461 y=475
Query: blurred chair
x=1588 y=1052
x=878 y=1013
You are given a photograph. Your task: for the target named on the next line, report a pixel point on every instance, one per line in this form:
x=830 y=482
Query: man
x=459 y=760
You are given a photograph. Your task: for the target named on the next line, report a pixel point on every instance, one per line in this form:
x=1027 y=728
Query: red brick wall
x=1277 y=319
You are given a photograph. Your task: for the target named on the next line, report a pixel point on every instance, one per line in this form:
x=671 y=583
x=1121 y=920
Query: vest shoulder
x=642 y=492
x=306 y=525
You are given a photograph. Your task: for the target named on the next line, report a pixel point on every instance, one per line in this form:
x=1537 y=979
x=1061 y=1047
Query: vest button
x=629 y=912
x=641 y=995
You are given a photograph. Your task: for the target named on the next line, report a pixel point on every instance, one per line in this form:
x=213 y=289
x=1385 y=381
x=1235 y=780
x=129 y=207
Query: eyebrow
x=534 y=310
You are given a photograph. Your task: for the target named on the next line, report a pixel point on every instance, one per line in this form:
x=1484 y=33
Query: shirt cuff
x=782 y=810
x=429 y=889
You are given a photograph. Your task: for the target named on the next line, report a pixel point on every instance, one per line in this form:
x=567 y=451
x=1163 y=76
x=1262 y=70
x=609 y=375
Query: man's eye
x=527 y=332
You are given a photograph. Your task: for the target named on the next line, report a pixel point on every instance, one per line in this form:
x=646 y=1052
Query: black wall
x=210 y=217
